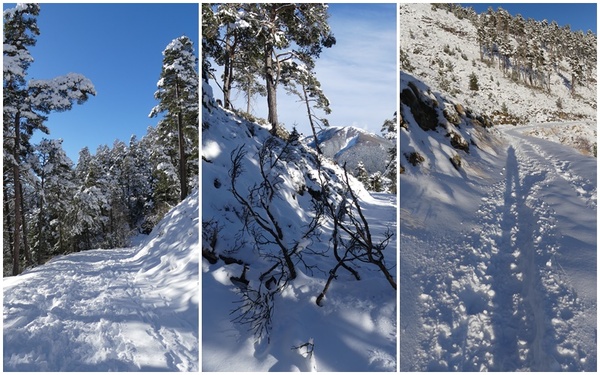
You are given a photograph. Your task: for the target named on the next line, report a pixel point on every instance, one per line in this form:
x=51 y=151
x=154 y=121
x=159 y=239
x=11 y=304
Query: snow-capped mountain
x=265 y=197
x=351 y=145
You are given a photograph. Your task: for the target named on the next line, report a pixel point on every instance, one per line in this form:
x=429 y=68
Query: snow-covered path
x=131 y=309
x=513 y=287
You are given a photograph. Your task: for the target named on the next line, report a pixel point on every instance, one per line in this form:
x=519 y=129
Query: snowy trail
x=87 y=312
x=129 y=309
x=517 y=292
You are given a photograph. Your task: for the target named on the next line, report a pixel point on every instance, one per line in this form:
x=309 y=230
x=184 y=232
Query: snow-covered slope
x=132 y=309
x=354 y=329
x=442 y=50
x=497 y=255
x=440 y=137
x=499 y=273
x=352 y=145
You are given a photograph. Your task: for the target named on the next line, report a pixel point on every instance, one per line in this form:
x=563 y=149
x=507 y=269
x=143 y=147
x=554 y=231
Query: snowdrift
x=354 y=329
x=131 y=309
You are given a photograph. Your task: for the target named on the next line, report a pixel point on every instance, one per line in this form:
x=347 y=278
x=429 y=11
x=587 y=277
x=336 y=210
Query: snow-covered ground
x=498 y=265
x=355 y=328
x=132 y=309
x=497 y=256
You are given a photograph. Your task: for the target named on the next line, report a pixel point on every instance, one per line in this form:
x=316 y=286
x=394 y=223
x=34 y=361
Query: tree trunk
x=271 y=88
x=310 y=120
x=182 y=156
x=7 y=227
x=227 y=76
x=26 y=250
x=41 y=249
x=17 y=186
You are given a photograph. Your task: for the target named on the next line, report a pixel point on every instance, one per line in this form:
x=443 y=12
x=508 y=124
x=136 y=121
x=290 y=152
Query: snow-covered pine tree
x=88 y=219
x=178 y=96
x=136 y=170
x=55 y=190
x=361 y=174
x=26 y=103
x=288 y=31
x=389 y=130
x=229 y=39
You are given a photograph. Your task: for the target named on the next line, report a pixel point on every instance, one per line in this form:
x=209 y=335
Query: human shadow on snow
x=522 y=334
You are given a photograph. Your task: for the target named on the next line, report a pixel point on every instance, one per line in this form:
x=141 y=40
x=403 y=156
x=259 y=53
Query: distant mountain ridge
x=353 y=145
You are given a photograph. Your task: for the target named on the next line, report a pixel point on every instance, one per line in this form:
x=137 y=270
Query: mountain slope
x=259 y=315
x=352 y=145
x=442 y=50
x=131 y=309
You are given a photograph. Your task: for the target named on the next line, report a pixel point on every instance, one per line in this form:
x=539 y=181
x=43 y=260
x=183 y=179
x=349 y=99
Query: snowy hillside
x=498 y=229
x=443 y=51
x=131 y=309
x=266 y=201
x=352 y=145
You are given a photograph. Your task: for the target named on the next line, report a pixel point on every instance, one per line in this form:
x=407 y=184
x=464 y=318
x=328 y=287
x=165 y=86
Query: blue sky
x=581 y=16
x=119 y=48
x=358 y=74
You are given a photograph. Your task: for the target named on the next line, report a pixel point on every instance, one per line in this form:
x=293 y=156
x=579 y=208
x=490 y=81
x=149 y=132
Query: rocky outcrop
x=422 y=109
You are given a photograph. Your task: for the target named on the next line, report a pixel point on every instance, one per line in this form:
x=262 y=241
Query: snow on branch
x=59 y=94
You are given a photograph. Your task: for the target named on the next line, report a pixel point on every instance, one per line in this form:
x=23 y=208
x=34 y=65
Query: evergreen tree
x=55 y=190
x=361 y=174
x=288 y=32
x=26 y=104
x=389 y=130
x=229 y=40
x=301 y=81
x=178 y=96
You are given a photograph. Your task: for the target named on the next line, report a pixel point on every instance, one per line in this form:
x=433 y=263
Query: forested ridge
x=53 y=206
x=529 y=50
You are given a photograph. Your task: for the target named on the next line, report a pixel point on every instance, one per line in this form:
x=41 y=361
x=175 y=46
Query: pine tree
x=473 y=82
x=228 y=38
x=55 y=190
x=288 y=32
x=178 y=96
x=389 y=130
x=26 y=103
x=361 y=174
x=300 y=80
